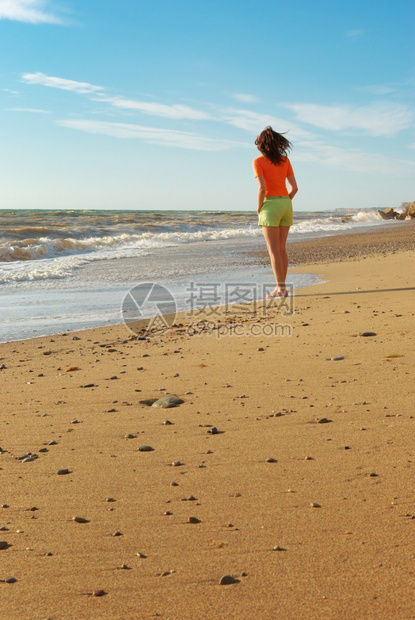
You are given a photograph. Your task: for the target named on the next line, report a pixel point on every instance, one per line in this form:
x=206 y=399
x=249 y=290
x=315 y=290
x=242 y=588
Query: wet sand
x=304 y=496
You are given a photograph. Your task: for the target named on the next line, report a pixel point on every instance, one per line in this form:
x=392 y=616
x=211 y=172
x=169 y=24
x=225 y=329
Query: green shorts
x=276 y=211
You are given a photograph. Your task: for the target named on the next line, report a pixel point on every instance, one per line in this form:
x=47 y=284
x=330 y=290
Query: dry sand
x=352 y=556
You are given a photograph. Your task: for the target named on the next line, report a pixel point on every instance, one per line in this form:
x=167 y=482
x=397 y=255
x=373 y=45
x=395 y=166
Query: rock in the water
x=145 y=449
x=169 y=400
x=387 y=214
x=227 y=580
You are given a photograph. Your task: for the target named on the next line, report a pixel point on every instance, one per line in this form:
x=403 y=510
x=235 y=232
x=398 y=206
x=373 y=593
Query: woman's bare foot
x=278 y=292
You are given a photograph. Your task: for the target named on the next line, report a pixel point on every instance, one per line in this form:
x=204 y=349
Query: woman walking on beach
x=273 y=171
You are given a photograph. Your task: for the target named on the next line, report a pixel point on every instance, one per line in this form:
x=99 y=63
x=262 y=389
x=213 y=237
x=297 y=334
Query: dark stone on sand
x=10 y=580
x=98 y=593
x=88 y=385
x=169 y=400
x=324 y=421
x=4 y=544
x=145 y=448
x=148 y=401
x=227 y=580
x=62 y=472
x=373 y=475
x=271 y=460
x=367 y=334
x=194 y=520
x=213 y=430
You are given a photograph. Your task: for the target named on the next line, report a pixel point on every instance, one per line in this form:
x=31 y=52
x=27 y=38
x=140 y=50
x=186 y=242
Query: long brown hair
x=273 y=145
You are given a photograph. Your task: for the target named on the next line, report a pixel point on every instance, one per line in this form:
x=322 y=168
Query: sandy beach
x=303 y=494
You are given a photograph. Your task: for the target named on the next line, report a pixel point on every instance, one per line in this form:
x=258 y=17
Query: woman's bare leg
x=276 y=239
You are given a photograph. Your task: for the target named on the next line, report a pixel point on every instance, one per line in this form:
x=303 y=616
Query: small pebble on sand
x=227 y=580
x=62 y=472
x=80 y=520
x=145 y=448
x=270 y=459
x=315 y=505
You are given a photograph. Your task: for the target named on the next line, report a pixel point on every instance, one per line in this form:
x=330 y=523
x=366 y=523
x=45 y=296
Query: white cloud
x=353 y=159
x=153 y=135
x=358 y=32
x=176 y=111
x=244 y=98
x=32 y=110
x=30 y=11
x=376 y=120
x=83 y=88
x=255 y=122
x=376 y=89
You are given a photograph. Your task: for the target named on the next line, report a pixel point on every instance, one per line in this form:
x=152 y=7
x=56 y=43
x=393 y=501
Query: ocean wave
x=366 y=216
x=44 y=247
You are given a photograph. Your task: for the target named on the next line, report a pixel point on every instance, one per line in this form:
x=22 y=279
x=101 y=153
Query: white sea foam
x=367 y=216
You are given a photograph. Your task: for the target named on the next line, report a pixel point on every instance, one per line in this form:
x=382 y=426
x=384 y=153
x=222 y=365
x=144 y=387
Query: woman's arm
x=293 y=186
x=261 y=192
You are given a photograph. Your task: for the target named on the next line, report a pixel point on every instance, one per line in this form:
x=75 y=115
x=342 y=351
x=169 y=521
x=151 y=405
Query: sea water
x=65 y=270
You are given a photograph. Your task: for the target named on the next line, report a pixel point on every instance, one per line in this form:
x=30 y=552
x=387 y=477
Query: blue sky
x=133 y=104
